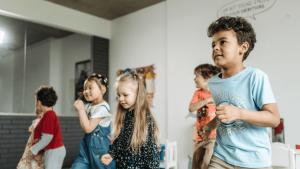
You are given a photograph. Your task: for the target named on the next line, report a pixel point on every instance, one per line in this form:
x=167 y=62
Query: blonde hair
x=142 y=108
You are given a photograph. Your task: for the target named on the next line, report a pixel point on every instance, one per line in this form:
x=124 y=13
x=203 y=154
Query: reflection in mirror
x=32 y=55
x=11 y=58
x=278 y=132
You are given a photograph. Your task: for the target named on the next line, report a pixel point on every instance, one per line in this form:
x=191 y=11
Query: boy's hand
x=106 y=159
x=227 y=113
x=79 y=105
x=204 y=132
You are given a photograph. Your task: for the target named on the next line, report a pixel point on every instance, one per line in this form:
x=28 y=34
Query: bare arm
x=195 y=106
x=87 y=125
x=267 y=117
x=206 y=130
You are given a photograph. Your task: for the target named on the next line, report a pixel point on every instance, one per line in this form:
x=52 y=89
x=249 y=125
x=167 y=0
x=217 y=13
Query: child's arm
x=206 y=130
x=267 y=117
x=107 y=158
x=195 y=106
x=43 y=142
x=87 y=125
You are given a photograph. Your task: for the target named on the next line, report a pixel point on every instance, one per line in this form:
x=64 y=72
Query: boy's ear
x=206 y=80
x=244 y=48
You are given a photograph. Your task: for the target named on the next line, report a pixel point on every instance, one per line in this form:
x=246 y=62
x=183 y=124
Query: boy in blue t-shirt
x=245 y=102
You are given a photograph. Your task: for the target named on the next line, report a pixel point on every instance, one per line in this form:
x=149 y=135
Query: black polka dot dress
x=147 y=157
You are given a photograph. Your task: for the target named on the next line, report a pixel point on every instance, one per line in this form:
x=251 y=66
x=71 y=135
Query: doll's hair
x=243 y=30
x=207 y=70
x=46 y=95
x=141 y=111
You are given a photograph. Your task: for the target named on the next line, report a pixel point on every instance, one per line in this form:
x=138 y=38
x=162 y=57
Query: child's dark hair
x=243 y=30
x=100 y=81
x=207 y=70
x=46 y=95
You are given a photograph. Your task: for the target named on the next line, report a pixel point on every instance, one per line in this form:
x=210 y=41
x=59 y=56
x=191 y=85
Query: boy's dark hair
x=46 y=95
x=243 y=30
x=207 y=70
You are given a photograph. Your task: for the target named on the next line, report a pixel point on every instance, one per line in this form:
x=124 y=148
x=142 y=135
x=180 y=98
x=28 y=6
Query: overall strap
x=106 y=108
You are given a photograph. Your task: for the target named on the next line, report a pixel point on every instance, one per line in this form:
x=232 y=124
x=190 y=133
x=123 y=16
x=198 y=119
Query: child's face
x=126 y=95
x=38 y=105
x=92 y=91
x=226 y=50
x=201 y=83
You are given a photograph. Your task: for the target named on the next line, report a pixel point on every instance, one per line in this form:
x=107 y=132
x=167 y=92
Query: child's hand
x=106 y=159
x=38 y=157
x=210 y=101
x=204 y=132
x=79 y=105
x=31 y=155
x=227 y=113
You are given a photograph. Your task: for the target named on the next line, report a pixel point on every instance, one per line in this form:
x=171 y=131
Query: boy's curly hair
x=207 y=70
x=46 y=95
x=243 y=30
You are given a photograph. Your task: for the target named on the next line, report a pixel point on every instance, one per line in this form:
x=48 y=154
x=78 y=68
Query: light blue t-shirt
x=240 y=143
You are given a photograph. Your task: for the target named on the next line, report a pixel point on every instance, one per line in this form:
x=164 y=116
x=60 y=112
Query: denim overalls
x=92 y=147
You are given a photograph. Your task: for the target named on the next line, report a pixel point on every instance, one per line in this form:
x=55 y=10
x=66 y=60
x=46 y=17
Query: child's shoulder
x=198 y=91
x=102 y=106
x=50 y=113
x=256 y=73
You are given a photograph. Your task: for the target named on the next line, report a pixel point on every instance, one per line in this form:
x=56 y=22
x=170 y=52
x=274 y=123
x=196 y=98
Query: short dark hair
x=207 y=70
x=46 y=95
x=242 y=28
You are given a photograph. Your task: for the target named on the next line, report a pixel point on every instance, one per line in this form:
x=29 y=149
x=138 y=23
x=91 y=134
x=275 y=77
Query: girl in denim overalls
x=95 y=121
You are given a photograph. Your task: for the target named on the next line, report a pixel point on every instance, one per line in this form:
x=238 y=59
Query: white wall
x=74 y=48
x=275 y=53
x=187 y=45
x=58 y=16
x=139 y=39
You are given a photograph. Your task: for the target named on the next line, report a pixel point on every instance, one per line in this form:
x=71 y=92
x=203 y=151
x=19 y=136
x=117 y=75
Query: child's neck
x=205 y=89
x=98 y=101
x=45 y=109
x=229 y=72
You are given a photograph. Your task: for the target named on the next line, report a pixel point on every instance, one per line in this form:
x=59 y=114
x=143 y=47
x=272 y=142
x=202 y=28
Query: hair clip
x=99 y=75
x=105 y=80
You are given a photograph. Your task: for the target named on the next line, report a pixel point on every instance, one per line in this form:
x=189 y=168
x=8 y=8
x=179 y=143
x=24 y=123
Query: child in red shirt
x=47 y=135
x=204 y=104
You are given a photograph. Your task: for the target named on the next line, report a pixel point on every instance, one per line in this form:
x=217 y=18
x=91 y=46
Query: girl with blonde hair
x=135 y=132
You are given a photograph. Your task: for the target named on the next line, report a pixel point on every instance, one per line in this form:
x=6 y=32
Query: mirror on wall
x=32 y=55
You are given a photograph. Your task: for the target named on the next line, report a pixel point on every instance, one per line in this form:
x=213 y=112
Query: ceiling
x=107 y=9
